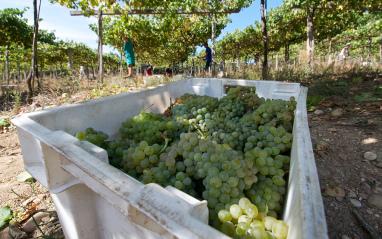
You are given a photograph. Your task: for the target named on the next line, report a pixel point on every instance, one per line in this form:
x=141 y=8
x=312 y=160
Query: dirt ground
x=342 y=166
x=342 y=131
x=27 y=198
x=347 y=178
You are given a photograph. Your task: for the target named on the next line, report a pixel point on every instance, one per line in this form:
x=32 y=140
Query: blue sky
x=248 y=16
x=57 y=18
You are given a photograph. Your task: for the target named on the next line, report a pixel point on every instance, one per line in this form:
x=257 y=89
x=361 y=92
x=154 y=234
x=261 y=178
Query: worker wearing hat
x=344 y=52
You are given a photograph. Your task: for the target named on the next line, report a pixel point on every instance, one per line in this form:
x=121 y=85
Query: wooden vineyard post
x=330 y=51
x=263 y=12
x=213 y=44
x=100 y=66
x=286 y=53
x=178 y=60
x=7 y=67
x=369 y=53
x=192 y=68
x=137 y=64
x=277 y=61
x=223 y=62
x=380 y=50
x=299 y=58
x=70 y=51
x=42 y=72
x=121 y=68
x=193 y=62
x=187 y=62
x=87 y=72
x=237 y=56
x=18 y=72
x=142 y=69
x=310 y=32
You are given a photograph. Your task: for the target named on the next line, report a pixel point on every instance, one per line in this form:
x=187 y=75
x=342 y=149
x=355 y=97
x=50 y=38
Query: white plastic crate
x=95 y=200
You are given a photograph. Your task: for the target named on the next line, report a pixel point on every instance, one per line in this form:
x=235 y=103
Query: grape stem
x=165 y=143
x=149 y=107
x=218 y=119
x=199 y=131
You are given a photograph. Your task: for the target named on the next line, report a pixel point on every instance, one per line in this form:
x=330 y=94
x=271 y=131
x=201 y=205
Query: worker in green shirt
x=129 y=53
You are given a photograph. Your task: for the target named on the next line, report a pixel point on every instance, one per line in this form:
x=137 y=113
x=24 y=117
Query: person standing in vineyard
x=81 y=71
x=149 y=69
x=129 y=53
x=221 y=65
x=344 y=52
x=256 y=58
x=207 y=56
x=168 y=72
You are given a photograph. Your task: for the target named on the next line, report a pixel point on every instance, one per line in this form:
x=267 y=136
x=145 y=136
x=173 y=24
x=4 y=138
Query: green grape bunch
x=232 y=152
x=243 y=220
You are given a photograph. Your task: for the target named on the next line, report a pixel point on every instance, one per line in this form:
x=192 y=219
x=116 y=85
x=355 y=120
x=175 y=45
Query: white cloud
x=67 y=31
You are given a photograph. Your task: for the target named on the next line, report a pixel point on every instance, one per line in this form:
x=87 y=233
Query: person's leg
x=130 y=70
x=208 y=65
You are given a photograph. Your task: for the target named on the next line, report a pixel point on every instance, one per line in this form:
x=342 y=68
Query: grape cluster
x=113 y=148
x=218 y=150
x=164 y=166
x=95 y=137
x=243 y=220
x=146 y=126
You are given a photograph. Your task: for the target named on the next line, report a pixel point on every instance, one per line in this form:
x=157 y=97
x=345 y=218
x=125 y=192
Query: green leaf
x=323 y=140
x=367 y=94
x=358 y=80
x=341 y=83
x=313 y=100
x=378 y=89
x=24 y=177
x=5 y=215
x=360 y=99
x=5 y=122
